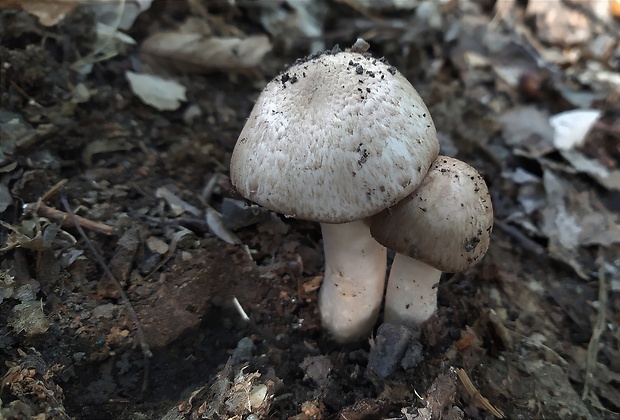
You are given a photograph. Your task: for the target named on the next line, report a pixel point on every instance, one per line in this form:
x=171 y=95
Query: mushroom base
x=352 y=290
x=411 y=296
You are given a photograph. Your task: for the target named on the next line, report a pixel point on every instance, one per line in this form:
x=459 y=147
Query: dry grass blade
x=99 y=53
x=479 y=400
x=599 y=328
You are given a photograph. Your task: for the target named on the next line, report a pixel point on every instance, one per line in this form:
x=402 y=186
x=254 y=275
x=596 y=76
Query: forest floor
x=214 y=311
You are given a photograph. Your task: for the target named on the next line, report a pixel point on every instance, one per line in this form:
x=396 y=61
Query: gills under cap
x=337 y=137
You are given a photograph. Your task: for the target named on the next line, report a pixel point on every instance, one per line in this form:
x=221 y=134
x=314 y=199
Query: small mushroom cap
x=446 y=222
x=337 y=137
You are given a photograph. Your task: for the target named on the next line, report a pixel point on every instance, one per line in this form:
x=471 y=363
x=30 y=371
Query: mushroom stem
x=411 y=296
x=352 y=290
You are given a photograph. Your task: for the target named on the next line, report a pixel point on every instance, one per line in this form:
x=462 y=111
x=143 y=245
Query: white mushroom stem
x=411 y=296
x=352 y=290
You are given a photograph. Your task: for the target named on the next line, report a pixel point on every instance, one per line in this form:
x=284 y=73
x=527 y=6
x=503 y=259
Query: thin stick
x=60 y=217
x=599 y=328
x=146 y=352
x=53 y=190
x=520 y=237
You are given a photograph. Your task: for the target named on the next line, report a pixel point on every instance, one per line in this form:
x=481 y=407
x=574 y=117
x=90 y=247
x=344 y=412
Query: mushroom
x=336 y=138
x=445 y=225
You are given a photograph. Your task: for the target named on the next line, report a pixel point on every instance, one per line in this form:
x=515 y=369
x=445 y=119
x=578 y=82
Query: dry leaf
x=177 y=205
x=197 y=53
x=161 y=94
x=110 y=42
x=9 y=4
x=29 y=318
x=108 y=12
x=570 y=127
x=385 y=5
x=294 y=20
x=49 y=12
x=216 y=225
x=614 y=8
x=573 y=219
x=528 y=128
x=558 y=24
x=608 y=178
x=570 y=131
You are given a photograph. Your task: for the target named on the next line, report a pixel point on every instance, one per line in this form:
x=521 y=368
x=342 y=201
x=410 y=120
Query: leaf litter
x=524 y=91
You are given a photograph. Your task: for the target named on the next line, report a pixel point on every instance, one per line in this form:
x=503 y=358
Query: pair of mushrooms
x=343 y=139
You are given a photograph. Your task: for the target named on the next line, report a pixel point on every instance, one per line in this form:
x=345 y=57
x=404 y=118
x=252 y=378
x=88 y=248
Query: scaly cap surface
x=445 y=223
x=337 y=137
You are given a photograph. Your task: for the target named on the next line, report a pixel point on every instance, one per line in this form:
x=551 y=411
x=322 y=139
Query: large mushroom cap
x=445 y=223
x=337 y=137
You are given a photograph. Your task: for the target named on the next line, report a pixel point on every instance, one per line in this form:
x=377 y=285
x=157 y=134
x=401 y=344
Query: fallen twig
x=520 y=237
x=146 y=352
x=64 y=219
x=53 y=190
x=597 y=331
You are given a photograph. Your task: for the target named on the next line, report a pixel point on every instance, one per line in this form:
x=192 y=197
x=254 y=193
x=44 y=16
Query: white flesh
x=411 y=296
x=352 y=290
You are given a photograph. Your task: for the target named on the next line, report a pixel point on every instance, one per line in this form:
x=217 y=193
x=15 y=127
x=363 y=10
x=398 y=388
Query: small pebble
x=391 y=343
x=243 y=352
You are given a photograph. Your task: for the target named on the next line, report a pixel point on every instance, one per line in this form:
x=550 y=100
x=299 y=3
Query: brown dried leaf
x=310 y=410
x=32 y=382
x=306 y=289
x=49 y=12
x=9 y=4
x=556 y=23
x=232 y=394
x=30 y=235
x=614 y=8
x=29 y=318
